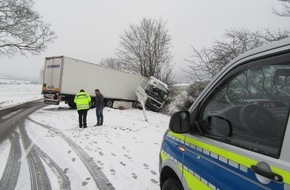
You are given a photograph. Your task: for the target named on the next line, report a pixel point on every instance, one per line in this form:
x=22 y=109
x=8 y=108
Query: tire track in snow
x=12 y=168
x=63 y=180
x=38 y=176
x=99 y=177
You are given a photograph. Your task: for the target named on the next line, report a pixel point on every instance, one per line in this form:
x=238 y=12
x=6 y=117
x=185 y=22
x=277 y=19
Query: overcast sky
x=90 y=30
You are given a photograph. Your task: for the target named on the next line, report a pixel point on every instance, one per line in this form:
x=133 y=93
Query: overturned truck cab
x=153 y=92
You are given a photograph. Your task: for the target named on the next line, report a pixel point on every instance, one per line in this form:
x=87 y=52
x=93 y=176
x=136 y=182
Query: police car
x=236 y=135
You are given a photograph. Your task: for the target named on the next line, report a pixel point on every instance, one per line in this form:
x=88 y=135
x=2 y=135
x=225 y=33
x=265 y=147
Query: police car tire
x=172 y=184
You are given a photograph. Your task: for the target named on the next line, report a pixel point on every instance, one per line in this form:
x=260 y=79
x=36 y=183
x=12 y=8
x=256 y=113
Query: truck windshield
x=156 y=93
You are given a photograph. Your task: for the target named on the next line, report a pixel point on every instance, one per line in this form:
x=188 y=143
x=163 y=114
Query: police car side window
x=251 y=109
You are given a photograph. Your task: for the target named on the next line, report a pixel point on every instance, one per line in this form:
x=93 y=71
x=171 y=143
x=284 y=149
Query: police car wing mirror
x=180 y=122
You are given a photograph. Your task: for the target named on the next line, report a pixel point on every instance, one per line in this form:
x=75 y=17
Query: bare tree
x=166 y=73
x=21 y=29
x=112 y=62
x=286 y=9
x=207 y=62
x=145 y=49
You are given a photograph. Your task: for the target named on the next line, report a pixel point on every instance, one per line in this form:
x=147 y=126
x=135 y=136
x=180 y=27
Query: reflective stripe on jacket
x=82 y=100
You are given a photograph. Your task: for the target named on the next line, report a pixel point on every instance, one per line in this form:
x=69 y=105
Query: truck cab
x=153 y=92
x=236 y=135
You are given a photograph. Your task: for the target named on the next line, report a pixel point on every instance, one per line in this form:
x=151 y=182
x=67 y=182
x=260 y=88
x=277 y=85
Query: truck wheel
x=72 y=105
x=172 y=184
x=109 y=103
x=135 y=104
x=92 y=104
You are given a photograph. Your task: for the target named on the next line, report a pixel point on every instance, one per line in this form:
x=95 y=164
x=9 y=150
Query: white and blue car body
x=236 y=135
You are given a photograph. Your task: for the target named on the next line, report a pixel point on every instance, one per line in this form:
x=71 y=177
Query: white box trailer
x=65 y=76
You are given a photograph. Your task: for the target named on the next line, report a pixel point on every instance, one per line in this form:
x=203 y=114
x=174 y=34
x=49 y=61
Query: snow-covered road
x=122 y=154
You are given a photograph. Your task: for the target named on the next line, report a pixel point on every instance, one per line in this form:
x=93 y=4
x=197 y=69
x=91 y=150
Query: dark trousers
x=100 y=117
x=82 y=118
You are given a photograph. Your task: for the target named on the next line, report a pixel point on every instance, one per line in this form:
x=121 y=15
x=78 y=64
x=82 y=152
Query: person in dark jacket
x=82 y=100
x=99 y=107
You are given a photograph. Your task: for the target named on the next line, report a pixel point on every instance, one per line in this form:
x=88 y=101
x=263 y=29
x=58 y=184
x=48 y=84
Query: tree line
x=144 y=48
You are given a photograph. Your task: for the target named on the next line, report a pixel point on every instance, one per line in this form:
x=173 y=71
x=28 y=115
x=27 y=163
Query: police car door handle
x=270 y=175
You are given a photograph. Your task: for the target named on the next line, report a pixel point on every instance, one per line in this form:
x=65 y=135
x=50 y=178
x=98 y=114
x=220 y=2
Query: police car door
x=243 y=120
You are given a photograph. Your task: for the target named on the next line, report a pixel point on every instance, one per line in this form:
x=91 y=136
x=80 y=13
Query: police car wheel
x=172 y=184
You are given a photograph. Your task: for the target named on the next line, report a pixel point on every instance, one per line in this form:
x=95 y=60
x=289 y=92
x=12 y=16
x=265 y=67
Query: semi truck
x=64 y=77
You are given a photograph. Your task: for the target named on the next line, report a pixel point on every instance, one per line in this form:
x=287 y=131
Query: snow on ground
x=14 y=92
x=126 y=148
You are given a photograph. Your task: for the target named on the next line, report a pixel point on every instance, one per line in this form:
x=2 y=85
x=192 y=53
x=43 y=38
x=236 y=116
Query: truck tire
x=172 y=184
x=109 y=103
x=135 y=104
x=92 y=104
x=72 y=105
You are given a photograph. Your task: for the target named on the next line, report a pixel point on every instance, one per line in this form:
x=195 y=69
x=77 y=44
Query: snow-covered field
x=14 y=92
x=126 y=148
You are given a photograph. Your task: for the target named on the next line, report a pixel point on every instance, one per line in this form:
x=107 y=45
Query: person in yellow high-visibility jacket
x=82 y=100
